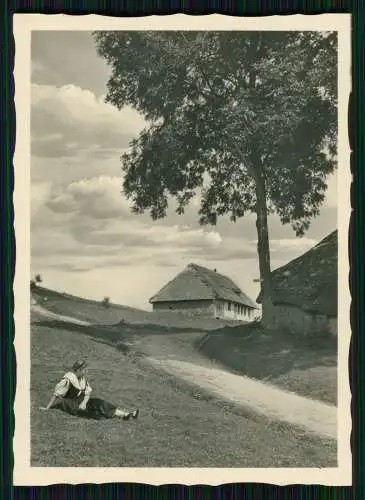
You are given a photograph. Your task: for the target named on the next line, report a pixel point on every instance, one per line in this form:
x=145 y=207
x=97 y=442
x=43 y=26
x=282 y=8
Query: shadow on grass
x=111 y=336
x=118 y=336
x=255 y=352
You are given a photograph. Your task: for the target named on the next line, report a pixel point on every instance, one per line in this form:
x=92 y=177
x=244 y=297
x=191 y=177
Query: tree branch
x=232 y=143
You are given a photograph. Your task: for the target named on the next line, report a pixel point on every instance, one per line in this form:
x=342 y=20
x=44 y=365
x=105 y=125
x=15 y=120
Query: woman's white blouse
x=64 y=384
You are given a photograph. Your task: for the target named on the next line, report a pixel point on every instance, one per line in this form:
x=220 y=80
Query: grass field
x=307 y=366
x=174 y=428
x=178 y=426
x=95 y=312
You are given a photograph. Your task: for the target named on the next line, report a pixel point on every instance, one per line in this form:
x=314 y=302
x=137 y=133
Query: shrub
x=38 y=279
x=105 y=302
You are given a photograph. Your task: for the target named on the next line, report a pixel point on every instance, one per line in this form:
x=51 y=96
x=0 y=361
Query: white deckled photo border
x=24 y=474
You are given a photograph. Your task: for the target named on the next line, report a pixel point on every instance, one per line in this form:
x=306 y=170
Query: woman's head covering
x=78 y=365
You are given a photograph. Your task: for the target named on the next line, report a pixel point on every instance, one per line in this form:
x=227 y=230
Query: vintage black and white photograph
x=186 y=244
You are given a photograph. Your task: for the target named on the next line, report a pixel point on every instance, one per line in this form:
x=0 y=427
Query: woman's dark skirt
x=96 y=408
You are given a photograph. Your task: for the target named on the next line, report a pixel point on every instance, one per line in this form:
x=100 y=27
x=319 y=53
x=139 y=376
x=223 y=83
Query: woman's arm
x=59 y=392
x=50 y=404
x=84 y=402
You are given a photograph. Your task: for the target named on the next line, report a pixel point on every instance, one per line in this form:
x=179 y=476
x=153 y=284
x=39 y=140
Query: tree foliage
x=247 y=118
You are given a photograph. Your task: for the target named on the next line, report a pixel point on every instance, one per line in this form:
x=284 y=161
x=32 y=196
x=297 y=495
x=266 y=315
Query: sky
x=84 y=239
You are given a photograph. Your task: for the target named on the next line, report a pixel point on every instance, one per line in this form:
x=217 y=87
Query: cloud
x=122 y=245
x=64 y=171
x=88 y=224
x=68 y=119
x=39 y=193
x=96 y=197
x=37 y=68
x=101 y=213
x=289 y=243
x=91 y=226
x=230 y=249
x=286 y=249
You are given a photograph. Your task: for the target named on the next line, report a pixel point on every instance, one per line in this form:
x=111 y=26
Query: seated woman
x=72 y=395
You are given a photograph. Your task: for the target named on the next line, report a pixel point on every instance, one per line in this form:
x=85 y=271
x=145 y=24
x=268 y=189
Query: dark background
x=8 y=246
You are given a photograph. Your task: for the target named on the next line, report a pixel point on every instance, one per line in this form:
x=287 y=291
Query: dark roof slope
x=200 y=283
x=310 y=281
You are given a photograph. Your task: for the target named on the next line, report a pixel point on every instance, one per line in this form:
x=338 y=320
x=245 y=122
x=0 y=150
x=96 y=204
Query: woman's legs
x=96 y=408
x=125 y=415
x=135 y=413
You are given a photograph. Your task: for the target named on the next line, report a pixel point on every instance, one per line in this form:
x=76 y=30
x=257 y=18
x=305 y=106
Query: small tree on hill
x=105 y=302
x=38 y=279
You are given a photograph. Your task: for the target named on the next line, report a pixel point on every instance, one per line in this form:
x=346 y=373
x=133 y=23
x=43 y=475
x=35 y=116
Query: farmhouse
x=305 y=290
x=201 y=291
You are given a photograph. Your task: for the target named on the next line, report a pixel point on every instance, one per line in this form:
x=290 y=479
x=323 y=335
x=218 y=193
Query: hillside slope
x=174 y=429
x=95 y=312
x=306 y=366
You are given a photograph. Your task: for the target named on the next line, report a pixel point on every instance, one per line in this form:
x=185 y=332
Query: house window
x=229 y=306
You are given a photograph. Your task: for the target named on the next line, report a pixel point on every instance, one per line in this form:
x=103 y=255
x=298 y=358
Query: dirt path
x=48 y=314
x=176 y=355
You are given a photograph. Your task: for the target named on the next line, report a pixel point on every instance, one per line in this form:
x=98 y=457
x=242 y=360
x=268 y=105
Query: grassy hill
x=94 y=312
x=305 y=365
x=174 y=430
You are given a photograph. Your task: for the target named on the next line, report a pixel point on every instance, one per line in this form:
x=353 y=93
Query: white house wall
x=218 y=309
x=227 y=310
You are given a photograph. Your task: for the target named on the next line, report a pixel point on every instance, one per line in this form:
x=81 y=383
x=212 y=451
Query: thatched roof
x=310 y=281
x=200 y=283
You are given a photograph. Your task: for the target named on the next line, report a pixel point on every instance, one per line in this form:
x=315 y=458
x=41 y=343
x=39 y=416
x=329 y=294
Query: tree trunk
x=263 y=249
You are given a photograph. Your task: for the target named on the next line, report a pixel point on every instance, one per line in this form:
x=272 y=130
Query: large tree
x=246 y=118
